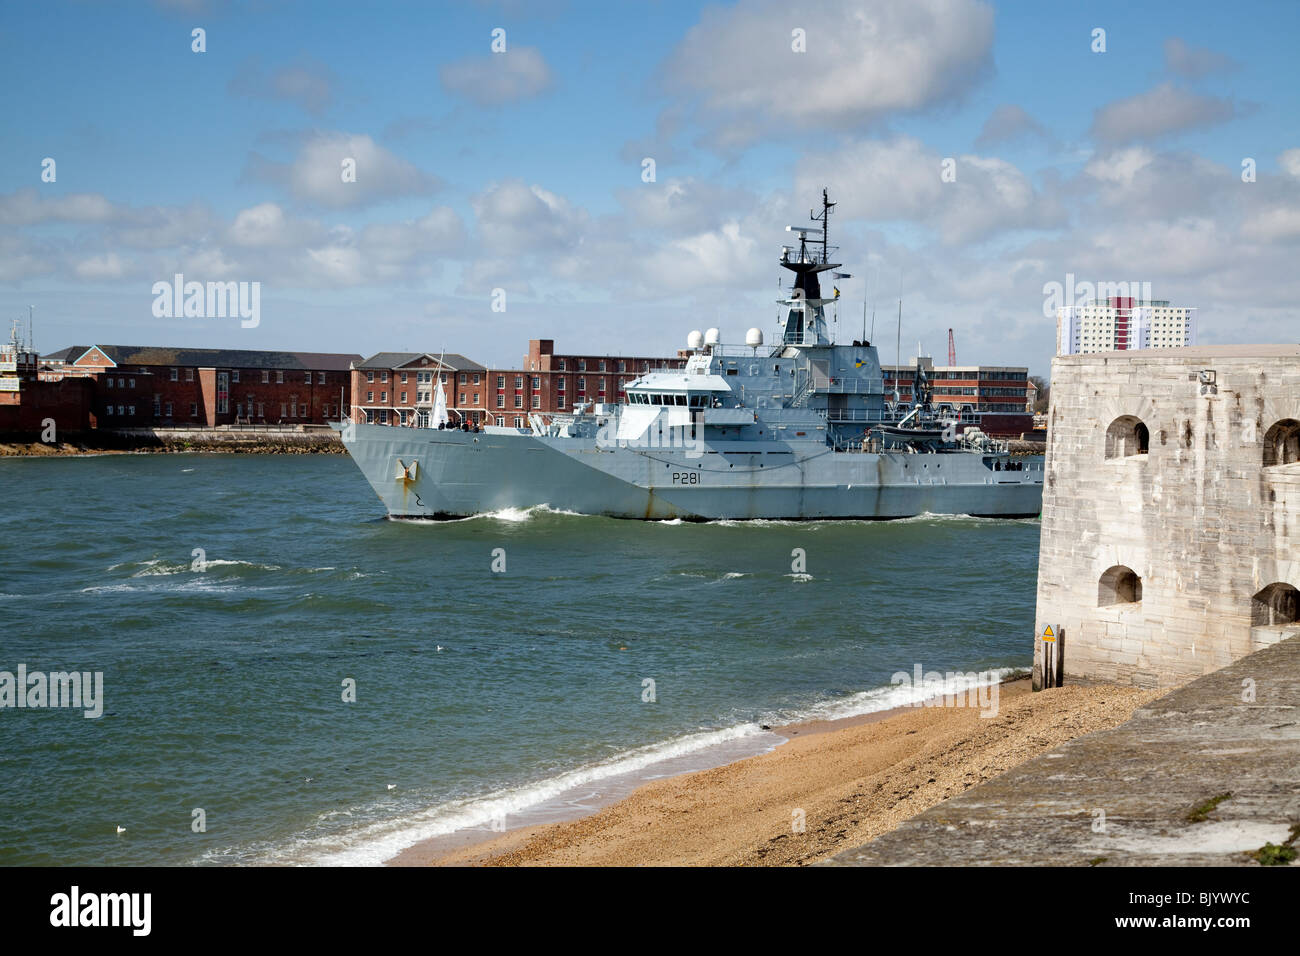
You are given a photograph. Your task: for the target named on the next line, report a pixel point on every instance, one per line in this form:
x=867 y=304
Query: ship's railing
x=849 y=385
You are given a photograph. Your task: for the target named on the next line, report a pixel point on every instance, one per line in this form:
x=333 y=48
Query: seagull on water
x=392 y=786
x=121 y=829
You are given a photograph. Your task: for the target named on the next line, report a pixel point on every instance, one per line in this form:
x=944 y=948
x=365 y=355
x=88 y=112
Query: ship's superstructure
x=797 y=429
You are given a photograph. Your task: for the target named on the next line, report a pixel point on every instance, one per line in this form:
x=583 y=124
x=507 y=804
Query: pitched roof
x=451 y=360
x=213 y=358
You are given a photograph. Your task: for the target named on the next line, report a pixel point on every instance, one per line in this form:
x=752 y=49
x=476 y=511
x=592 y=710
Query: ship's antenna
x=898 y=351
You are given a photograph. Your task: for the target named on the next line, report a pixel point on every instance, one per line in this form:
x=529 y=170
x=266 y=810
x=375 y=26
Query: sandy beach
x=845 y=781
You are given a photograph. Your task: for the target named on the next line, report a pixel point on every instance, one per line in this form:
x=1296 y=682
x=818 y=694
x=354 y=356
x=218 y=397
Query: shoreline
x=847 y=780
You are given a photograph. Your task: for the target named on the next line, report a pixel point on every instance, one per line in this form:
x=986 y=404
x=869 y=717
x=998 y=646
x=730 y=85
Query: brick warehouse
x=141 y=386
x=396 y=388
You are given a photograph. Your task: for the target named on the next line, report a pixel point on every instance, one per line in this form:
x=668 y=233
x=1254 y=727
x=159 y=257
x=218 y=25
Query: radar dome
x=695 y=339
x=711 y=337
x=754 y=338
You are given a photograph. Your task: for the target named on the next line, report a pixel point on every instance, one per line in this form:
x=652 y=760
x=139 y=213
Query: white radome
x=754 y=338
x=695 y=340
x=711 y=337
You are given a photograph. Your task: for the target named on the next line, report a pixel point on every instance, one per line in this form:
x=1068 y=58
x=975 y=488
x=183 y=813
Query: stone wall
x=1199 y=519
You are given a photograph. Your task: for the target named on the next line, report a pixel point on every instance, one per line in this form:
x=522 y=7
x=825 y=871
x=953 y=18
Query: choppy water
x=478 y=693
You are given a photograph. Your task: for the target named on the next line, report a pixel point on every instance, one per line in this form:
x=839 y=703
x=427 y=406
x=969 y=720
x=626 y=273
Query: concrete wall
x=1198 y=517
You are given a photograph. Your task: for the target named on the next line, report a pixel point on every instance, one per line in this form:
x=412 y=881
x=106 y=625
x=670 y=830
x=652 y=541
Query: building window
x=109 y=381
x=403 y=402
x=602 y=386
x=1282 y=443
x=501 y=381
x=121 y=409
x=537 y=401
x=559 y=387
x=383 y=397
x=462 y=398
x=383 y=377
x=622 y=366
x=1119 y=585
x=501 y=421
x=261 y=409
x=501 y=401
x=443 y=378
x=476 y=398
x=559 y=402
x=519 y=381
x=582 y=384
x=108 y=410
x=239 y=410
x=168 y=409
x=234 y=375
x=1126 y=437
x=582 y=365
x=462 y=378
x=370 y=377
x=476 y=378
x=602 y=365
x=279 y=376
x=370 y=398
x=266 y=377
x=121 y=383
x=284 y=410
x=194 y=410
x=519 y=401
x=173 y=374
x=519 y=422
x=302 y=412
x=561 y=365
x=1277 y=604
x=189 y=375
x=537 y=382
x=403 y=378
x=320 y=378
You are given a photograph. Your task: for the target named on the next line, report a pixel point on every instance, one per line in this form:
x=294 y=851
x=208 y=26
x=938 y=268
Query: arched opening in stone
x=1127 y=436
x=1119 y=585
x=1279 y=603
x=1282 y=443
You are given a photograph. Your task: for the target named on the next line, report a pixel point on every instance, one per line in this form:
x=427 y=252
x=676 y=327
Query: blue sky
x=522 y=170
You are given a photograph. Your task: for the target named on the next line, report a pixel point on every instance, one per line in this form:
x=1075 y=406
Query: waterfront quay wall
x=289 y=440
x=1171 y=513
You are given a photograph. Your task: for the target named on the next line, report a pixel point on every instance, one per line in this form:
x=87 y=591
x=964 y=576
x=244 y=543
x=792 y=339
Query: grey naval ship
x=801 y=428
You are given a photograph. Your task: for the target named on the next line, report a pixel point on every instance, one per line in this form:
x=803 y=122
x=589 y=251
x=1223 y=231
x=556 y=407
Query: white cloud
x=307 y=82
x=107 y=266
x=1159 y=112
x=863 y=62
x=493 y=79
x=27 y=207
x=1290 y=162
x=316 y=174
x=900 y=179
x=1194 y=62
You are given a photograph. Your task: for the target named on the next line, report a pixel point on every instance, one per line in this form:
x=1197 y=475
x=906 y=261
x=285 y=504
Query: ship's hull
x=457 y=474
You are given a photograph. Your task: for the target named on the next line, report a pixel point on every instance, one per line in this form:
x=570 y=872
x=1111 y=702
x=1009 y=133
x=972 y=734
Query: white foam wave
x=899 y=695
x=374 y=843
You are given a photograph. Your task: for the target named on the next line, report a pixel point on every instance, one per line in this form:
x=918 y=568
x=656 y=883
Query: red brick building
x=28 y=403
x=397 y=388
x=141 y=386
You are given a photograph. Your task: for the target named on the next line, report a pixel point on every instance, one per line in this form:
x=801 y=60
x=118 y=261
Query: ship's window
x=656 y=399
x=681 y=399
x=1279 y=603
x=1282 y=443
x=1119 y=585
x=1127 y=436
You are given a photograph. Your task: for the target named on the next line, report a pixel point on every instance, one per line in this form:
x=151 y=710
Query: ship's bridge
x=687 y=391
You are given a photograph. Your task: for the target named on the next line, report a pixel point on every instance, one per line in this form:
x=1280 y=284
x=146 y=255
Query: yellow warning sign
x=1049 y=634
